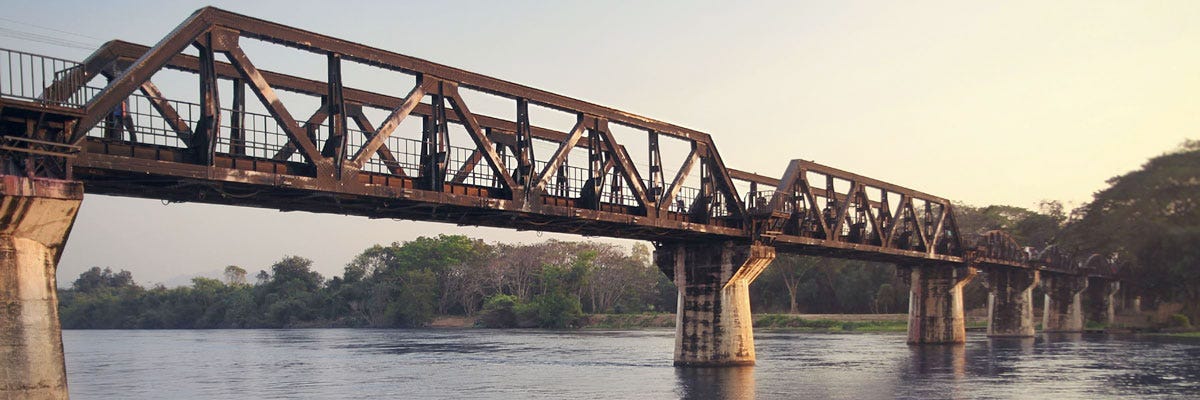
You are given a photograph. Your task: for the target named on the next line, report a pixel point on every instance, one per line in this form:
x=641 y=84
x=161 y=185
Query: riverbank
x=786 y=322
x=1192 y=334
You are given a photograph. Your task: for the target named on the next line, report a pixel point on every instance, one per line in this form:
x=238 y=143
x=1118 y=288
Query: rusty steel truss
x=130 y=139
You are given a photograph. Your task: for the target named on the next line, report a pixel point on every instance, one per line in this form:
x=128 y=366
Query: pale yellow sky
x=981 y=102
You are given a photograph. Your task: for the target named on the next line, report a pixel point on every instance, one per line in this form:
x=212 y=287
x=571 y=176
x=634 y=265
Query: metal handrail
x=27 y=76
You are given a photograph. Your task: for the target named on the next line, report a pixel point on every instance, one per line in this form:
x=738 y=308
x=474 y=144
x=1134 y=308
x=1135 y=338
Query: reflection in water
x=1010 y=346
x=1004 y=354
x=716 y=383
x=939 y=359
x=1062 y=337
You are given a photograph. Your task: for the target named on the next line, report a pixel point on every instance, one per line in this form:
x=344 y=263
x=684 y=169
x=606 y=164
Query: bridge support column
x=1101 y=300
x=713 y=325
x=1063 y=310
x=1010 y=302
x=36 y=218
x=935 y=305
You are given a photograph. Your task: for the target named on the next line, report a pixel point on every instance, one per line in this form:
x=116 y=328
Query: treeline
x=1150 y=220
x=550 y=284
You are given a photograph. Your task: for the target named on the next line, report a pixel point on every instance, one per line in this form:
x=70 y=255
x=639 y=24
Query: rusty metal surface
x=339 y=161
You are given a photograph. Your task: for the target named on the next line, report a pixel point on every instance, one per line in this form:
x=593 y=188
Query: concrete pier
x=935 y=306
x=1010 y=302
x=1063 y=310
x=713 y=324
x=1101 y=300
x=36 y=219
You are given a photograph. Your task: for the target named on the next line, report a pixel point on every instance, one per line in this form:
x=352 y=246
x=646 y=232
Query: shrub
x=557 y=310
x=499 y=311
x=1178 y=321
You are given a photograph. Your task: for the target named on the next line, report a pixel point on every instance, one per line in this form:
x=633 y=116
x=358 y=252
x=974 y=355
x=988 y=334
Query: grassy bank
x=791 y=322
x=833 y=323
x=628 y=321
x=1193 y=334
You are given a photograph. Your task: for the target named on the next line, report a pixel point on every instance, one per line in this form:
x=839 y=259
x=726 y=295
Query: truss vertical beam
x=595 y=182
x=335 y=106
x=524 y=173
x=237 y=119
x=657 y=182
x=205 y=139
x=434 y=136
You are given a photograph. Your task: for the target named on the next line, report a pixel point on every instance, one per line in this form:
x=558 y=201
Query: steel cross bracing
x=339 y=160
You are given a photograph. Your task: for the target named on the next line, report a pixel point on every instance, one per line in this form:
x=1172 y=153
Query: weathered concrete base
x=713 y=325
x=935 y=305
x=1063 y=311
x=1101 y=300
x=1010 y=302
x=36 y=217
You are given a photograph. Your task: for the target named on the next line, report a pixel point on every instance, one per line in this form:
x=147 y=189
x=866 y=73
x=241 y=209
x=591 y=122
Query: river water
x=424 y=364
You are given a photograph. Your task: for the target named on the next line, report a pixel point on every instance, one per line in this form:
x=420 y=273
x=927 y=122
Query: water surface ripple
x=458 y=364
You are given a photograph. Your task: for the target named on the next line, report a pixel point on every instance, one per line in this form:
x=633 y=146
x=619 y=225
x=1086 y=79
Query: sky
x=980 y=102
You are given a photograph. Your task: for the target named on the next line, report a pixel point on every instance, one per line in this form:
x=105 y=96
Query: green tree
x=1150 y=217
x=235 y=275
x=100 y=279
x=791 y=270
x=291 y=297
x=415 y=299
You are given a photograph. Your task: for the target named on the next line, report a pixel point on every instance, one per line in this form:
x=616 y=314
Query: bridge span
x=552 y=163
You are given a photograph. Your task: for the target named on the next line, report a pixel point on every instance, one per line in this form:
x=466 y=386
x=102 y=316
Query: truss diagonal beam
x=354 y=111
x=684 y=170
x=625 y=166
x=564 y=149
x=168 y=112
x=482 y=143
x=141 y=70
x=390 y=124
x=270 y=100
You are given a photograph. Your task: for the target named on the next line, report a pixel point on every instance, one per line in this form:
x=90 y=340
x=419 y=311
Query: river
x=425 y=364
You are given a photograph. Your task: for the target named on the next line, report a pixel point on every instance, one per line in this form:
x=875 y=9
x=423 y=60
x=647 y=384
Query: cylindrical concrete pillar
x=1063 y=311
x=1101 y=300
x=935 y=306
x=35 y=219
x=1010 y=302
x=713 y=324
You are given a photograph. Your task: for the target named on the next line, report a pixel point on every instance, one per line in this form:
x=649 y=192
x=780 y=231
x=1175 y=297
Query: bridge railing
x=26 y=76
x=139 y=120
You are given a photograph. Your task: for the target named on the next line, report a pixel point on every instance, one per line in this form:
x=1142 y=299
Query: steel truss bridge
x=128 y=138
x=234 y=135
